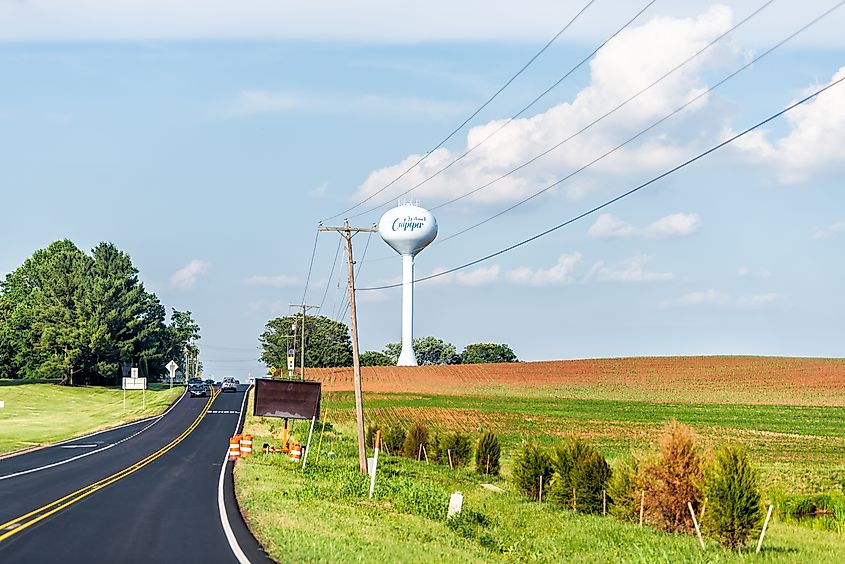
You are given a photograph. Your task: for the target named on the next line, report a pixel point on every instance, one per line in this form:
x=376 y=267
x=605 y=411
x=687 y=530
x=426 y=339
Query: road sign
x=171 y=367
x=291 y=364
x=134 y=383
x=134 y=373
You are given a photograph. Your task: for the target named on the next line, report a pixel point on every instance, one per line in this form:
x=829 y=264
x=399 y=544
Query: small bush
x=487 y=454
x=531 y=464
x=417 y=435
x=393 y=438
x=580 y=476
x=673 y=479
x=624 y=491
x=458 y=446
x=371 y=435
x=733 y=497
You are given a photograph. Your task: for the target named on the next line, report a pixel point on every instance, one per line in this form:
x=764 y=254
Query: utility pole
x=347 y=233
x=304 y=308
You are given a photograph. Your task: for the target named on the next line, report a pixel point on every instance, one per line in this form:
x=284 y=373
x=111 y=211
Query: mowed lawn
x=41 y=413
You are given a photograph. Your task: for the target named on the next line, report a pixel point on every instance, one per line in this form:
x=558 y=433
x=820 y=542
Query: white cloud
x=609 y=226
x=280 y=281
x=186 y=277
x=372 y=21
x=319 y=192
x=674 y=225
x=829 y=231
x=627 y=64
x=480 y=276
x=632 y=269
x=746 y=272
x=561 y=273
x=815 y=141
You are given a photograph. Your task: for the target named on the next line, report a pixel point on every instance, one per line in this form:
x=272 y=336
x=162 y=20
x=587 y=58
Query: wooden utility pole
x=304 y=308
x=347 y=233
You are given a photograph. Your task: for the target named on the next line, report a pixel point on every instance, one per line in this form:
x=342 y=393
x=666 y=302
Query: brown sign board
x=289 y=399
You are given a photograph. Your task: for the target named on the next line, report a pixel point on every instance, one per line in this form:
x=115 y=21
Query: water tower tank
x=408 y=229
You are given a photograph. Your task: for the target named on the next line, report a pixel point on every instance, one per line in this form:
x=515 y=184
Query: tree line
x=86 y=318
x=328 y=344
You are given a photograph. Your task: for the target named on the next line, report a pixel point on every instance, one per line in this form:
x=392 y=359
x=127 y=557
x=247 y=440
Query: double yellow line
x=18 y=524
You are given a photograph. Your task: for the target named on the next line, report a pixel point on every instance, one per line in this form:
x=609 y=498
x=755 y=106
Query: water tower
x=409 y=229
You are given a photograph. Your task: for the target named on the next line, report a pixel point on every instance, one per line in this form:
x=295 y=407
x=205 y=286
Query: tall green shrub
x=580 y=476
x=393 y=437
x=623 y=489
x=417 y=435
x=458 y=446
x=732 y=487
x=487 y=454
x=531 y=464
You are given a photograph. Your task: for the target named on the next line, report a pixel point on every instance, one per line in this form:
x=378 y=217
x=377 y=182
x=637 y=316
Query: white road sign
x=171 y=367
x=134 y=383
x=134 y=373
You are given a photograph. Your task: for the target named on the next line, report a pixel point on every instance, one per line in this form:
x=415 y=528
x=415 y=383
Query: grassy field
x=42 y=413
x=789 y=413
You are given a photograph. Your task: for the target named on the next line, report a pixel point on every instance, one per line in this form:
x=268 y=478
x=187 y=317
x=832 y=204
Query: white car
x=229 y=385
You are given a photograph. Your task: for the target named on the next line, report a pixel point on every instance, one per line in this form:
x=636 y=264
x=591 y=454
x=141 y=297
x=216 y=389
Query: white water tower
x=409 y=229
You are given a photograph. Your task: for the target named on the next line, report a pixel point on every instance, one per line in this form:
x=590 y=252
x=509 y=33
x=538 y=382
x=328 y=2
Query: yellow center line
x=45 y=511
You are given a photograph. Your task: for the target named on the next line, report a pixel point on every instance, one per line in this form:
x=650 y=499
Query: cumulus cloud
x=829 y=231
x=814 y=143
x=632 y=269
x=563 y=272
x=280 y=281
x=609 y=226
x=627 y=64
x=758 y=299
x=186 y=277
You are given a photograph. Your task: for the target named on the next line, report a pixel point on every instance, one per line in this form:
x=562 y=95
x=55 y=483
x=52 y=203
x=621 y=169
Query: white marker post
x=375 y=463
x=308 y=442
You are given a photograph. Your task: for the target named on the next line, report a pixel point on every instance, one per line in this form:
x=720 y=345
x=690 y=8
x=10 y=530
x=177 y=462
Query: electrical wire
x=627 y=193
x=637 y=135
x=311 y=264
x=471 y=116
x=516 y=115
x=331 y=274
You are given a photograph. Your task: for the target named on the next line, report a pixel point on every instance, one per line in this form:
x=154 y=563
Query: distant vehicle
x=210 y=382
x=251 y=381
x=229 y=385
x=237 y=382
x=198 y=389
x=195 y=381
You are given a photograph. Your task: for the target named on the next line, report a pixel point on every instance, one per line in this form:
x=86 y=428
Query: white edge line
x=89 y=453
x=221 y=504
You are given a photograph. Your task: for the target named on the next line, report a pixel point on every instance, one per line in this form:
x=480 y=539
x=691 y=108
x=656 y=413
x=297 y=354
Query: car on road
x=198 y=390
x=229 y=385
x=210 y=382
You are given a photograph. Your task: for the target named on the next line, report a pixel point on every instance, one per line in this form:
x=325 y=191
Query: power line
x=358 y=272
x=311 y=265
x=516 y=115
x=624 y=194
x=632 y=138
x=331 y=274
x=475 y=113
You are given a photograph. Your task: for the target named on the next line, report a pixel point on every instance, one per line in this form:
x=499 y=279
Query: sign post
x=135 y=384
x=171 y=368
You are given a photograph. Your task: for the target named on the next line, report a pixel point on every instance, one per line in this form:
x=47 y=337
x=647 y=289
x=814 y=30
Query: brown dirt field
x=704 y=379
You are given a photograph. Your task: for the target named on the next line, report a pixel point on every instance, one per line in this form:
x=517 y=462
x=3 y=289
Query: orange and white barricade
x=295 y=452
x=234 y=447
x=246 y=445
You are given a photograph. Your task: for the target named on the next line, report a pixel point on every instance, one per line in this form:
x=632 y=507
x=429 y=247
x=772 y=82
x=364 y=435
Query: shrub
x=623 y=490
x=531 y=464
x=371 y=435
x=825 y=512
x=733 y=497
x=580 y=476
x=393 y=438
x=673 y=479
x=417 y=435
x=458 y=446
x=487 y=454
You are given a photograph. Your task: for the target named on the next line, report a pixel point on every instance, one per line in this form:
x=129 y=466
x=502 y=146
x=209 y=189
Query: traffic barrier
x=234 y=448
x=295 y=452
x=246 y=445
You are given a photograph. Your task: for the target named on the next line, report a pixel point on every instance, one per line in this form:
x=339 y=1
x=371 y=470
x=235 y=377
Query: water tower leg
x=407 y=356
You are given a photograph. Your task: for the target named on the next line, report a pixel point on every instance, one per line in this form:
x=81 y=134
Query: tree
x=182 y=332
x=375 y=358
x=327 y=342
x=428 y=350
x=484 y=353
x=733 y=494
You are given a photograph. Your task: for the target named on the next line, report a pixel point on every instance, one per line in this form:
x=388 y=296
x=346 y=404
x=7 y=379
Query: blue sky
x=207 y=140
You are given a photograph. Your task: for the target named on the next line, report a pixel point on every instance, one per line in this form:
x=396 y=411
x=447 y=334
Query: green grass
x=42 y=413
x=322 y=514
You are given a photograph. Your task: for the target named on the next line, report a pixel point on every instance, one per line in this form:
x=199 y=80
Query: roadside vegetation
x=36 y=414
x=323 y=513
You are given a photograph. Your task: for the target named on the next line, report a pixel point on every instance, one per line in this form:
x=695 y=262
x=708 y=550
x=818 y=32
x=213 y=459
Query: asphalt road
x=149 y=493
